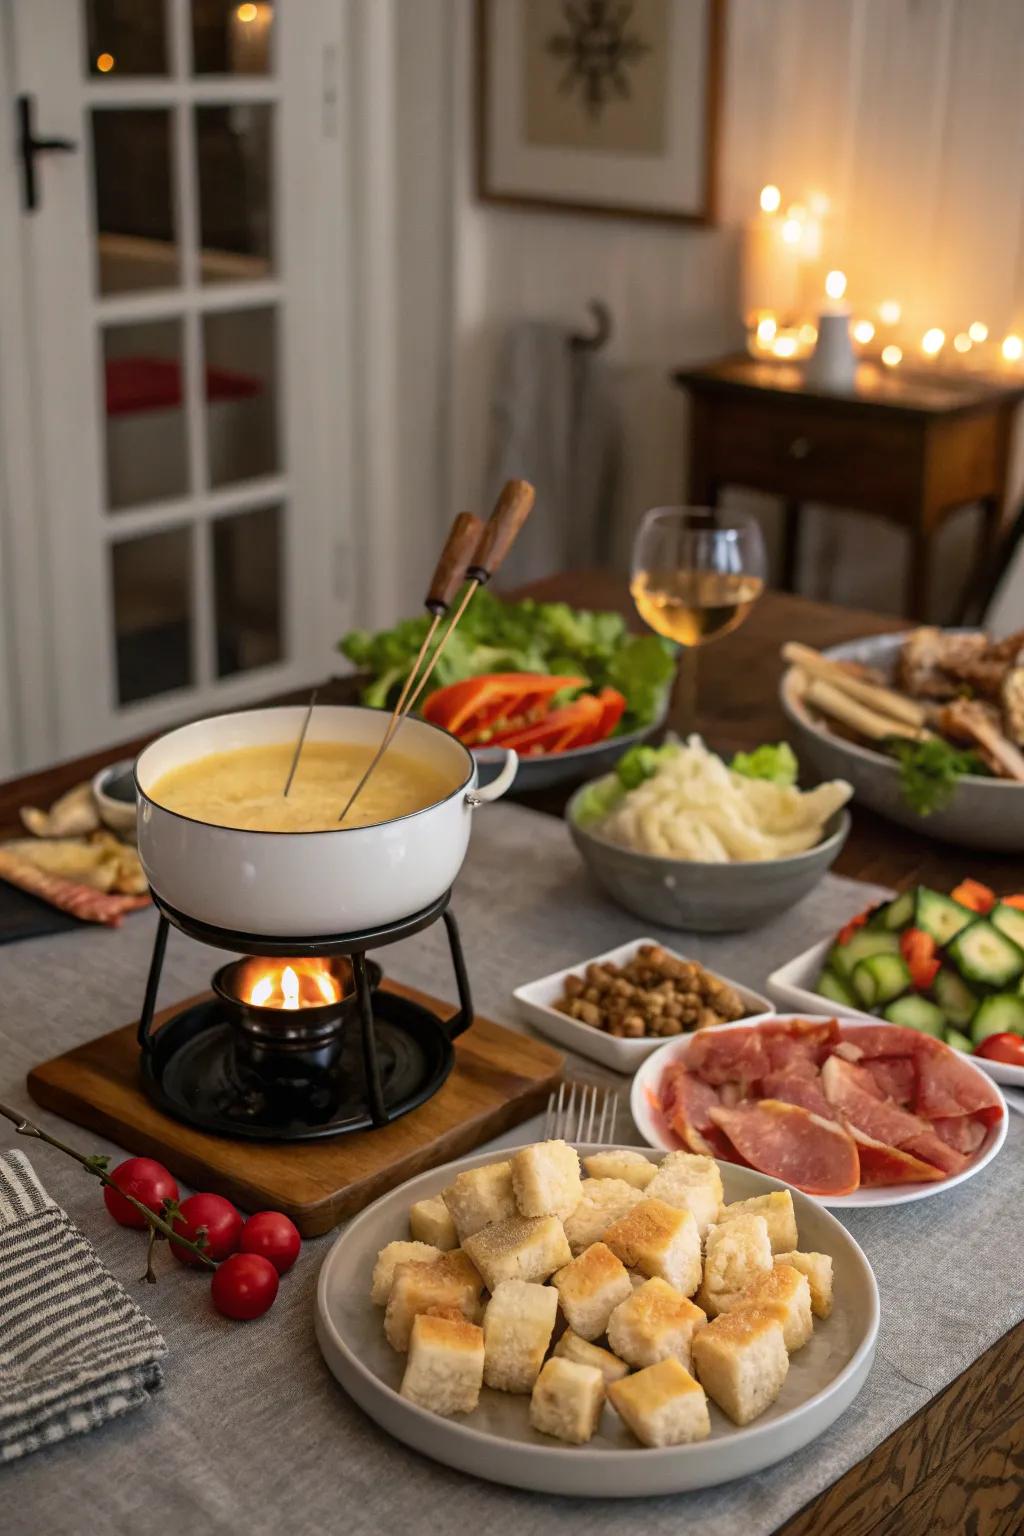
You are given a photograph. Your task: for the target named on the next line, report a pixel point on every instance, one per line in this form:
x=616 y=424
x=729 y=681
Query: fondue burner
x=298 y=1041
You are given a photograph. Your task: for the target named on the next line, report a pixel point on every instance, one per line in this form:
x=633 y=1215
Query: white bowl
x=113 y=789
x=983 y=812
x=536 y=1000
x=496 y=1441
x=643 y=1096
x=793 y=985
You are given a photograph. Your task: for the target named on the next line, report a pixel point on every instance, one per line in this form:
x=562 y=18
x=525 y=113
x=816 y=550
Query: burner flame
x=288 y=984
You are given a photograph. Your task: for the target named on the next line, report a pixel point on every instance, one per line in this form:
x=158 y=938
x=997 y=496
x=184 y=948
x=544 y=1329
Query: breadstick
x=887 y=700
x=864 y=721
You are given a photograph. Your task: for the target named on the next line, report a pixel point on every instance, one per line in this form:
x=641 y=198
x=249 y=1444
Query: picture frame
x=600 y=107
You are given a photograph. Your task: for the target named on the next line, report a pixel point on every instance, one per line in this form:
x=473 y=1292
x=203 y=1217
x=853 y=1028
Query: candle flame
x=835 y=284
x=978 y=331
x=290 y=984
x=1013 y=348
x=933 y=341
x=771 y=198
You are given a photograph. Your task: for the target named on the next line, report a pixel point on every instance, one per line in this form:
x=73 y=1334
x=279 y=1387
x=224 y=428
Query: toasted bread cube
x=787 y=1289
x=661 y=1241
x=450 y=1281
x=654 y=1323
x=742 y=1361
x=546 y=1179
x=818 y=1269
x=735 y=1253
x=430 y=1221
x=571 y=1347
x=662 y=1405
x=632 y=1167
x=691 y=1182
x=392 y=1255
x=445 y=1367
x=518 y=1324
x=520 y=1248
x=602 y=1202
x=567 y=1400
x=590 y=1288
x=777 y=1210
x=479 y=1196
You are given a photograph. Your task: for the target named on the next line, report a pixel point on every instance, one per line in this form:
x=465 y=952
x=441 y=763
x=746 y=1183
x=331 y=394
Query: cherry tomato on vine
x=223 y=1224
x=273 y=1235
x=146 y=1179
x=244 y=1286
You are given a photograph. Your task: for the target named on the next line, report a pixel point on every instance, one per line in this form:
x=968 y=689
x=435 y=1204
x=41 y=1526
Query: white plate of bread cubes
x=640 y=1324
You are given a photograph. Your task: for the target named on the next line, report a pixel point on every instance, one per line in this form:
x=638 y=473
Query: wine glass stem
x=684 y=696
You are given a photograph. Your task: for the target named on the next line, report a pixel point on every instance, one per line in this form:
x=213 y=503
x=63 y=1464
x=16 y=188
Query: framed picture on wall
x=600 y=106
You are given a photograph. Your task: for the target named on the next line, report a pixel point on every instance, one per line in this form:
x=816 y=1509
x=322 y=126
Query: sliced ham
x=895 y=1077
x=685 y=1102
x=890 y=1040
x=795 y=1088
x=728 y=1056
x=947 y=1085
x=791 y=1144
x=964 y=1133
x=853 y=1094
x=881 y=1164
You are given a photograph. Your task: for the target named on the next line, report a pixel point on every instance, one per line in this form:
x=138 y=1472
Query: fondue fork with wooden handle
x=511 y=510
x=449 y=574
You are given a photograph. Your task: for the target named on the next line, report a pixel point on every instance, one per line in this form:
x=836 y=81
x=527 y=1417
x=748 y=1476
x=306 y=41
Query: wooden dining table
x=958 y=1464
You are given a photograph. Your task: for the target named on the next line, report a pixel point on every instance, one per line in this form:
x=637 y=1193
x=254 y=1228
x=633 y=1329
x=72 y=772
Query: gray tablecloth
x=251 y=1434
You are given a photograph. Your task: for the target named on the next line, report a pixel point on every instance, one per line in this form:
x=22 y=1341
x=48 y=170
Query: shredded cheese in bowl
x=695 y=807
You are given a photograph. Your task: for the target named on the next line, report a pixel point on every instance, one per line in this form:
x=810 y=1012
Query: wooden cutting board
x=499 y=1079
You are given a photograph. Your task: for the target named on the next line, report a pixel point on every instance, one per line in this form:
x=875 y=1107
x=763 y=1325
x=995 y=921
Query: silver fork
x=582 y=1112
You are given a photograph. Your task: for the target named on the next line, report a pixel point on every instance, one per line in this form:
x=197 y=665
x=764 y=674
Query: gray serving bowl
x=705 y=898
x=983 y=813
x=566 y=767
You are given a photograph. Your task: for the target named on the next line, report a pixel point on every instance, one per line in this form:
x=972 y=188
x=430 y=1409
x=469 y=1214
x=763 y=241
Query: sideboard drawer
x=811 y=455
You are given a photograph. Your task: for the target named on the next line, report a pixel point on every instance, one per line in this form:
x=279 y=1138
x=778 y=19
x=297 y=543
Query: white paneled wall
x=907 y=113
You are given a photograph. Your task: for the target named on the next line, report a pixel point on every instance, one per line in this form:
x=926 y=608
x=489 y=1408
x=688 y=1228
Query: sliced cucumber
x=954 y=997
x=896 y=914
x=1001 y=1014
x=940 y=915
x=1009 y=920
x=958 y=1041
x=982 y=954
x=880 y=978
x=864 y=942
x=915 y=1012
x=835 y=989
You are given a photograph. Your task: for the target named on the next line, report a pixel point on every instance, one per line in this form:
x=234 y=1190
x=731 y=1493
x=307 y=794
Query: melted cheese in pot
x=244 y=787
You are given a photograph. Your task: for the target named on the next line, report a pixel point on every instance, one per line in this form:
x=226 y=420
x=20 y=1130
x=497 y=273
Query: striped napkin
x=75 y=1350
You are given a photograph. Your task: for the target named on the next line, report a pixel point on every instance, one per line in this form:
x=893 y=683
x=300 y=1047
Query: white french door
x=182 y=333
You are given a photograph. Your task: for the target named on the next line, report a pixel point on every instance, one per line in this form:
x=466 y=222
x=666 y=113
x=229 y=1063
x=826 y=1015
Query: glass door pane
x=125 y=37
x=136 y=240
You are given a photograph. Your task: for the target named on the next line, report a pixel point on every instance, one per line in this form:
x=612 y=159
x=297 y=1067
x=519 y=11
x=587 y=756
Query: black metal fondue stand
x=270 y=1074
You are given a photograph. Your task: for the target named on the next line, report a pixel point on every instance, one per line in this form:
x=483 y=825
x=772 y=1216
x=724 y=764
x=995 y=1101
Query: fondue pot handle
x=498 y=786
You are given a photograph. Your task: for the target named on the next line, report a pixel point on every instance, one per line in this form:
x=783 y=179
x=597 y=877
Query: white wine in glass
x=696 y=575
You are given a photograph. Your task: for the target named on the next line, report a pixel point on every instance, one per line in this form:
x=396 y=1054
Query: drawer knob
x=799 y=448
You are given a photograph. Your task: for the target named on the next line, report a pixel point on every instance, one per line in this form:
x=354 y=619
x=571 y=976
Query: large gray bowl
x=983 y=813
x=705 y=898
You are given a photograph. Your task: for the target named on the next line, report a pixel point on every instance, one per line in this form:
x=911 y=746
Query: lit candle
x=770 y=266
x=833 y=364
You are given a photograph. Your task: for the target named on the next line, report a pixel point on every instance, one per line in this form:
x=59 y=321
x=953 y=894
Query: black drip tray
x=198 y=1069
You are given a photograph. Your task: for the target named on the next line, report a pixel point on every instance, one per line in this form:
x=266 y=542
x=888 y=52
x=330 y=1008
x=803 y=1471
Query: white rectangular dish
x=537 y=998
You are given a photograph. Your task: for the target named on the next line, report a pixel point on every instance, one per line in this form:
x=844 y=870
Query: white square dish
x=537 y=998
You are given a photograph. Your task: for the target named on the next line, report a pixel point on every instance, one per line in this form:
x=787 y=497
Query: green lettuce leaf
x=778 y=764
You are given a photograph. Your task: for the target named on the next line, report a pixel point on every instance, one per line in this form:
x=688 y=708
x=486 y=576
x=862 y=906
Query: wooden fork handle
x=512 y=509
x=460 y=548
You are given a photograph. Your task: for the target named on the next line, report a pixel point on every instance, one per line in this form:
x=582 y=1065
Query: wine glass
x=697 y=573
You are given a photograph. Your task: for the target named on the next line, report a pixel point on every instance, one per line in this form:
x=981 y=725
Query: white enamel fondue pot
x=308 y=884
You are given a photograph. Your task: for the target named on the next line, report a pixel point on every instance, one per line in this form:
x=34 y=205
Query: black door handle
x=29 y=147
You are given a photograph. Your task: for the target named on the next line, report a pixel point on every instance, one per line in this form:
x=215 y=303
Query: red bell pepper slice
x=848 y=930
x=971 y=893
x=1014 y=901
x=614 y=707
x=470 y=707
x=919 y=951
x=559 y=730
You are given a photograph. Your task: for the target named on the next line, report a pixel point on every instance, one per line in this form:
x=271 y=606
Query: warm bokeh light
x=863 y=331
x=808 y=333
x=766 y=328
x=771 y=198
x=785 y=346
x=933 y=341
x=247 y=13
x=891 y=356
x=792 y=230
x=889 y=312
x=978 y=331
x=105 y=63
x=835 y=284
x=962 y=342
x=819 y=204
x=1013 y=349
